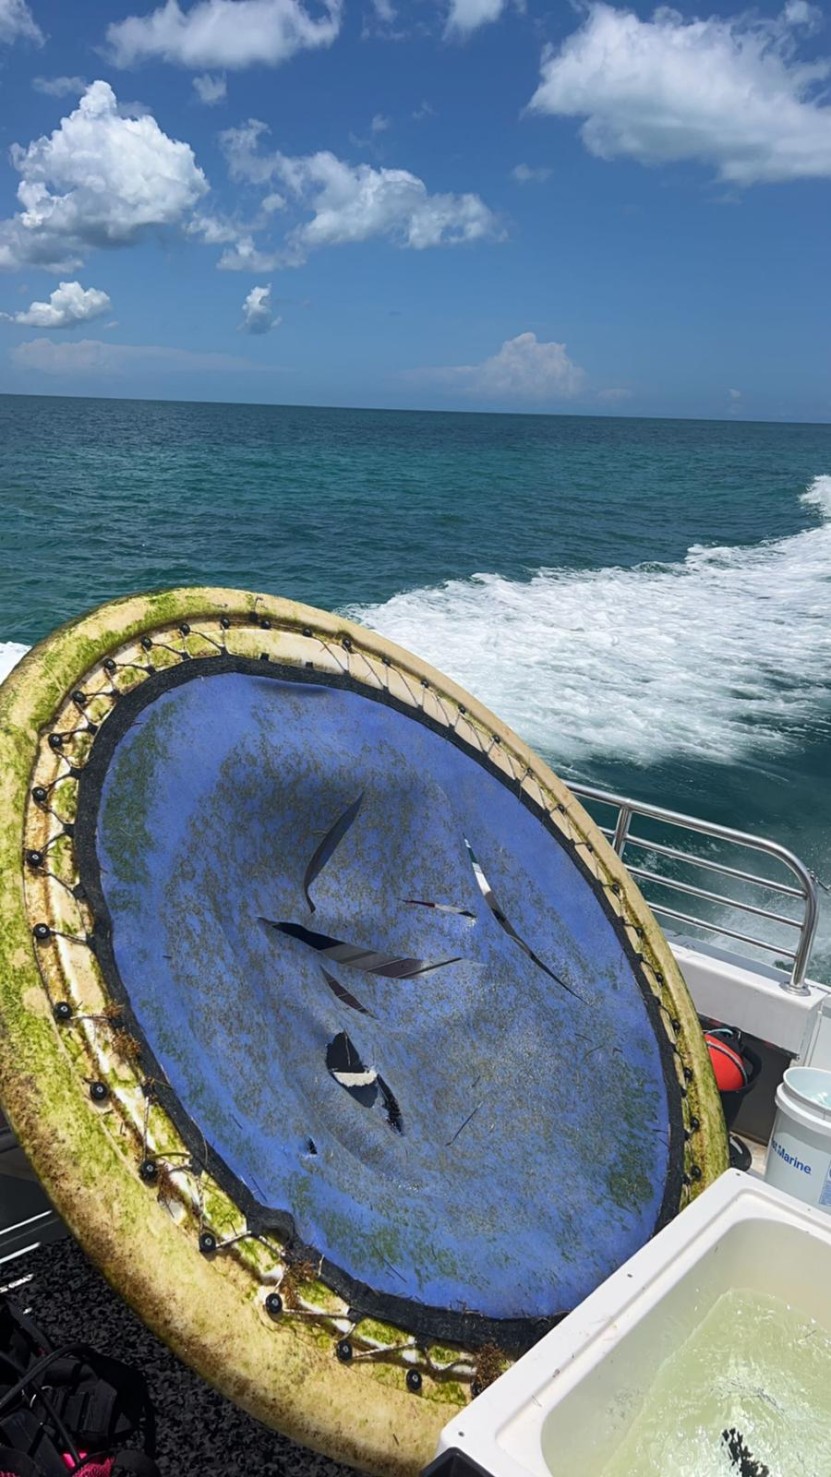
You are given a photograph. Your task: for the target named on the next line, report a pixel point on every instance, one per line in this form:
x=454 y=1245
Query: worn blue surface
x=214 y=803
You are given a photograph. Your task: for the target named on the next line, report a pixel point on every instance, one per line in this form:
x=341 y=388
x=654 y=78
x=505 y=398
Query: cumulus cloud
x=99 y=179
x=18 y=24
x=523 y=370
x=95 y=356
x=257 y=312
x=223 y=33
x=729 y=92
x=60 y=86
x=68 y=305
x=528 y=174
x=210 y=90
x=466 y=16
x=347 y=203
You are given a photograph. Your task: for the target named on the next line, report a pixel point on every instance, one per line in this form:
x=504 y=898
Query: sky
x=506 y=205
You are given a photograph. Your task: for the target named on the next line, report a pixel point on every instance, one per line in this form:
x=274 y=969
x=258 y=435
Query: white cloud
x=348 y=203
x=523 y=370
x=527 y=174
x=735 y=394
x=18 y=24
x=94 y=356
x=729 y=92
x=98 y=180
x=466 y=16
x=257 y=311
x=223 y=33
x=68 y=305
x=60 y=86
x=210 y=90
x=379 y=124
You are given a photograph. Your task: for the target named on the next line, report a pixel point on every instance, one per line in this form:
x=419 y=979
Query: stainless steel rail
x=804 y=894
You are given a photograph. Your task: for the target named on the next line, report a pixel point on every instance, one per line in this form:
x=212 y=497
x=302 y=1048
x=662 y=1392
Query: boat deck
x=199 y=1431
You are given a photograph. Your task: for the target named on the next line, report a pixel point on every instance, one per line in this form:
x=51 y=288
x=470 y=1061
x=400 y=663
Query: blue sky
x=460 y=204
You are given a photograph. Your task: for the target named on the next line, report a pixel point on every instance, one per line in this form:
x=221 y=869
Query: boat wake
x=726 y=652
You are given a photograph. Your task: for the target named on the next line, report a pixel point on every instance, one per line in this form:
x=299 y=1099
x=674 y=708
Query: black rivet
x=343 y=1350
x=207 y=1243
x=676 y=1024
x=265 y=624
x=69 y=829
x=39 y=794
x=688 y=1074
x=99 y=1092
x=184 y=629
x=695 y=1172
x=224 y=623
x=264 y=656
x=92 y=728
x=413 y=1380
x=309 y=664
x=497 y=740
x=110 y=665
x=62 y=1011
x=385 y=661
x=80 y=699
x=148 y=1171
x=659 y=977
x=34 y=858
x=695 y=1124
x=274 y=1305
x=462 y=708
x=146 y=643
x=424 y=682
x=42 y=931
x=476 y=1388
x=347 y=643
x=616 y=888
x=307 y=631
x=56 y=740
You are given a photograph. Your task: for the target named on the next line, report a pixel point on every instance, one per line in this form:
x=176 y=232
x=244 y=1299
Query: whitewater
x=724 y=654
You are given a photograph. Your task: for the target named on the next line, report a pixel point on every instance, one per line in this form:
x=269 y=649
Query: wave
x=724 y=653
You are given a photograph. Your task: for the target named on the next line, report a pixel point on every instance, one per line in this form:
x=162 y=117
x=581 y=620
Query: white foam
x=10 y=654
x=713 y=657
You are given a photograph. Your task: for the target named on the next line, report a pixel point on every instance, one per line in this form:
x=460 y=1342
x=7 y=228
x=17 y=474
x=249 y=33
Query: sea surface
x=647 y=602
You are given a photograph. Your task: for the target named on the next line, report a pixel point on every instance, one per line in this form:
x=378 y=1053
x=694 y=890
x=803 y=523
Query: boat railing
x=669 y=851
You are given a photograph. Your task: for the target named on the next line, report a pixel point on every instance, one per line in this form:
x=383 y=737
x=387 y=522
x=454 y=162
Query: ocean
x=647 y=602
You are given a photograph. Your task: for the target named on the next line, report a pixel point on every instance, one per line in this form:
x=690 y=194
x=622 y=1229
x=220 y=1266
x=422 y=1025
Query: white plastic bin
x=564 y=1408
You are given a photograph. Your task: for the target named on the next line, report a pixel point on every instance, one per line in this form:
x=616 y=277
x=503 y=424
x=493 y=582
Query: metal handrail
x=805 y=891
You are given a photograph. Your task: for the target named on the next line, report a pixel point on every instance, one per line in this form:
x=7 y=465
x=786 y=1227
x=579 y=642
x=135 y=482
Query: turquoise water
x=648 y=602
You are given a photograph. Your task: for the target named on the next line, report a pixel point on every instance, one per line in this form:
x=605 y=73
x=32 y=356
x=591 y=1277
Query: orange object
x=731 y=1071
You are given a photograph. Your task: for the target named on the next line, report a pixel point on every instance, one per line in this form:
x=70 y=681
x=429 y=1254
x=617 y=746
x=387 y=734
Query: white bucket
x=799 y=1156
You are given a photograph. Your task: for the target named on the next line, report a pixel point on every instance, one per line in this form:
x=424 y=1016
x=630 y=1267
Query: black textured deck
x=199 y=1431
